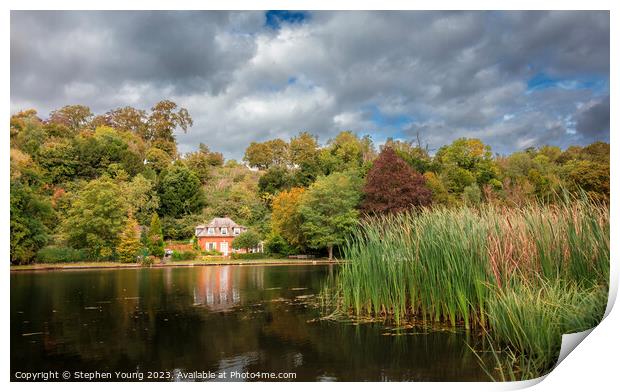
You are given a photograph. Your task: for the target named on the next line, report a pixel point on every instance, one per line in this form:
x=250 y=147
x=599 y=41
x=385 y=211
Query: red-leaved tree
x=393 y=186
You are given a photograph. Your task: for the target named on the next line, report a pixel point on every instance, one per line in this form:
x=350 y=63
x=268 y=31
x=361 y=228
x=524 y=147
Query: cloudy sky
x=512 y=79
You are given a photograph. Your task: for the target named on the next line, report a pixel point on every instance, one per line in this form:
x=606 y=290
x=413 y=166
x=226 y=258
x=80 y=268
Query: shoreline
x=117 y=265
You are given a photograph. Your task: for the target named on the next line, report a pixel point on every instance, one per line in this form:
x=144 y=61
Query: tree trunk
x=330 y=249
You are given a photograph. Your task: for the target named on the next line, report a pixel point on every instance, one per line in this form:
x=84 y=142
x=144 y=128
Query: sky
x=512 y=79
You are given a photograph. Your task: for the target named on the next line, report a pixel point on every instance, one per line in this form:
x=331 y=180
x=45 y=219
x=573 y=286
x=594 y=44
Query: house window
x=211 y=245
x=224 y=230
x=211 y=230
x=237 y=230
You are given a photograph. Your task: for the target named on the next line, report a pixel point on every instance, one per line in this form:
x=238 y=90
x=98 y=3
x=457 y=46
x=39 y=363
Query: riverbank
x=117 y=265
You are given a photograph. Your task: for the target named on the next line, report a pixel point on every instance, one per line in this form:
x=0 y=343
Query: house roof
x=220 y=222
x=217 y=223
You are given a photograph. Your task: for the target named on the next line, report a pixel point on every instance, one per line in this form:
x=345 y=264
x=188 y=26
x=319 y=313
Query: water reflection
x=216 y=318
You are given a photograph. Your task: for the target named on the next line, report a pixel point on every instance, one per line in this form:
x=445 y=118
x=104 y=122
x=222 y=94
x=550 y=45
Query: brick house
x=219 y=234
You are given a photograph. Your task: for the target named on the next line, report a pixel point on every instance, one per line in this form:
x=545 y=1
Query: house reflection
x=217 y=288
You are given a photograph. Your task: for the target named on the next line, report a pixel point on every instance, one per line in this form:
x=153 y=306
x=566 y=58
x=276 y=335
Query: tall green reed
x=518 y=272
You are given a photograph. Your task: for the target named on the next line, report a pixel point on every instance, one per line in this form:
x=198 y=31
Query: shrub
x=211 y=253
x=187 y=255
x=148 y=261
x=248 y=256
x=53 y=254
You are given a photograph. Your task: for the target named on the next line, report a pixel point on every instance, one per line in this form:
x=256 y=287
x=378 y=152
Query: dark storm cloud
x=593 y=119
x=243 y=78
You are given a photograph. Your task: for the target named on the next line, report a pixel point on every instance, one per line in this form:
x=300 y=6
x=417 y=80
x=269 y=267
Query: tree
x=74 y=117
x=286 y=218
x=246 y=240
x=275 y=179
x=304 y=155
x=157 y=159
x=464 y=162
x=346 y=152
x=129 y=243
x=267 y=154
x=416 y=156
x=180 y=192
x=393 y=186
x=29 y=214
x=142 y=197
x=165 y=119
x=156 y=237
x=203 y=161
x=95 y=151
x=96 y=217
x=127 y=119
x=328 y=210
x=58 y=159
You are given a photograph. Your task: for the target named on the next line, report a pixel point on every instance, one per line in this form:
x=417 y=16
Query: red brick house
x=218 y=235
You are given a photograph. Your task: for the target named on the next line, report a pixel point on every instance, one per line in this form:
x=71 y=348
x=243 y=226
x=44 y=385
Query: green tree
x=464 y=162
x=129 y=243
x=275 y=179
x=180 y=192
x=156 y=237
x=142 y=197
x=347 y=152
x=328 y=210
x=29 y=214
x=246 y=240
x=304 y=155
x=157 y=160
x=96 y=218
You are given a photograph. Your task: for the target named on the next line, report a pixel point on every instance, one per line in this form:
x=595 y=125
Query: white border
x=593 y=363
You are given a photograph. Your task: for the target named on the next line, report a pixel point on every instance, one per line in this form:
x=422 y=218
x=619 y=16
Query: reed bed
x=527 y=274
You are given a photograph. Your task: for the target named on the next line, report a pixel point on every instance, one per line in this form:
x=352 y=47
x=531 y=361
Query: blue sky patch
x=275 y=19
x=542 y=81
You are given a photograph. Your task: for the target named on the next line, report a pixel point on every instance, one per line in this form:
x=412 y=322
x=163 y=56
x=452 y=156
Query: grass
x=524 y=274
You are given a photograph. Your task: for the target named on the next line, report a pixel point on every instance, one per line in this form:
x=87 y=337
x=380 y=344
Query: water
x=213 y=319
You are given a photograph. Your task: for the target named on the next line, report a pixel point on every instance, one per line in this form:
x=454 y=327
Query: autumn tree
x=127 y=119
x=393 y=186
x=203 y=161
x=267 y=154
x=74 y=117
x=129 y=242
x=286 y=218
x=164 y=119
x=328 y=210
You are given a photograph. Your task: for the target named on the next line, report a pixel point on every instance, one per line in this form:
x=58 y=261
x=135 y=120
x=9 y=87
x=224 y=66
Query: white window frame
x=211 y=246
x=210 y=230
x=237 y=230
x=224 y=230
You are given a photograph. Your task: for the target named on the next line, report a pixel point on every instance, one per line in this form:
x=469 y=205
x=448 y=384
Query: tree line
x=109 y=186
